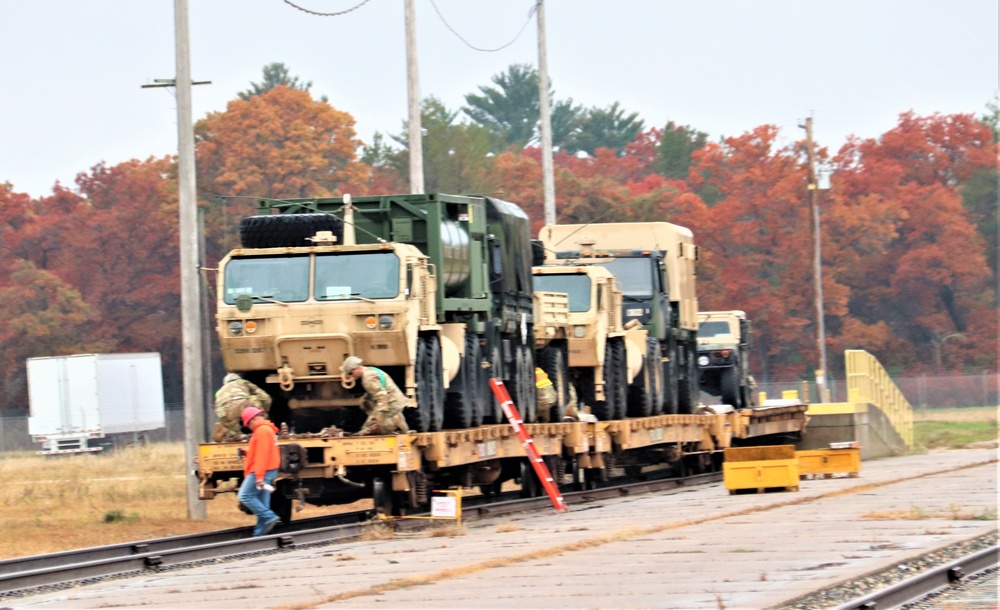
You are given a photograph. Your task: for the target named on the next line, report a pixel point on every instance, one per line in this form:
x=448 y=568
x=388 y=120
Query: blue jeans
x=258 y=500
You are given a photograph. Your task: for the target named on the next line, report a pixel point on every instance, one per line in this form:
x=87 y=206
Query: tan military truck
x=433 y=289
x=654 y=264
x=613 y=365
x=724 y=342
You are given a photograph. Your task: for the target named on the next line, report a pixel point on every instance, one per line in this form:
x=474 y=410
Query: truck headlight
x=579 y=331
x=236 y=327
x=702 y=360
x=385 y=322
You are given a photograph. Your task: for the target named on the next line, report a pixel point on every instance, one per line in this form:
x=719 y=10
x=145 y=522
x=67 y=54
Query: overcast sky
x=72 y=69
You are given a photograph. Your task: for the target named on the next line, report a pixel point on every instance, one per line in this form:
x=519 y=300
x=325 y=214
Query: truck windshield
x=576 y=285
x=278 y=278
x=713 y=328
x=633 y=275
x=369 y=275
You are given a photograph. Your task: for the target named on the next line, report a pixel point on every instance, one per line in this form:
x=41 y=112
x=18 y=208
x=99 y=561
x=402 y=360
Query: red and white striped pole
x=514 y=417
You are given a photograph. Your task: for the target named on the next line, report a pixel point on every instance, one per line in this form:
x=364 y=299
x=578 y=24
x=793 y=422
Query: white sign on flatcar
x=444 y=506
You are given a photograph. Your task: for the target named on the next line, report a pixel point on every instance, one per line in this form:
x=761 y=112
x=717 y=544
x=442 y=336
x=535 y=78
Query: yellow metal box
x=761 y=468
x=828 y=462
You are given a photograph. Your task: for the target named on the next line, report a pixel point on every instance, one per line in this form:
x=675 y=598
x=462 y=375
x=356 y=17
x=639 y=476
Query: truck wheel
x=552 y=360
x=602 y=410
x=729 y=383
x=430 y=390
x=670 y=381
x=642 y=394
x=620 y=378
x=283 y=230
x=460 y=404
x=524 y=383
x=688 y=386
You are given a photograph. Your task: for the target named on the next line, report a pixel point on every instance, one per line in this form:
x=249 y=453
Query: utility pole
x=413 y=101
x=822 y=390
x=194 y=382
x=545 y=118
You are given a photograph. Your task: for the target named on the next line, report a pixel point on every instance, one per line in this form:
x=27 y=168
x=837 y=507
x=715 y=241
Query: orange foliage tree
x=921 y=274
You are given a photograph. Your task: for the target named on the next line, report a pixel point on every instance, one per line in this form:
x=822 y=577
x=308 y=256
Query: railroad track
x=931 y=582
x=25 y=575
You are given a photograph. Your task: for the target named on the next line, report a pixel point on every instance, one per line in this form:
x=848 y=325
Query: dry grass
x=78 y=501
x=917 y=513
x=508 y=527
x=966 y=415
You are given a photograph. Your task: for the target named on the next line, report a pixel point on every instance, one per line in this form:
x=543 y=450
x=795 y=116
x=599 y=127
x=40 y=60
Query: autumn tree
x=929 y=279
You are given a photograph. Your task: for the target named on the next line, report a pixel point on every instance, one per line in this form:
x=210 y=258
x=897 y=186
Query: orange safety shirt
x=263 y=453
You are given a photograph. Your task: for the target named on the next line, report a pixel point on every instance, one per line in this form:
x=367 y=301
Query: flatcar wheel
x=491 y=490
x=531 y=487
x=382 y=496
x=281 y=504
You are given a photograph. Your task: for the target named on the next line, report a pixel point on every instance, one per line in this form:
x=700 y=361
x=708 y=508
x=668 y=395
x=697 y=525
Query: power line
x=470 y=45
x=337 y=14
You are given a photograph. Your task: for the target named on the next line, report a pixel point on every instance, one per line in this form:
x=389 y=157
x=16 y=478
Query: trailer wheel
x=531 y=487
x=729 y=383
x=553 y=362
x=284 y=230
x=382 y=496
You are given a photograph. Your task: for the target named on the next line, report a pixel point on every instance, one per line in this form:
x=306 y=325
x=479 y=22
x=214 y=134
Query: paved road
x=690 y=549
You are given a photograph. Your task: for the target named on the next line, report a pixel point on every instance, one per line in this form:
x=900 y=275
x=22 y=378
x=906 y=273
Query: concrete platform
x=688 y=549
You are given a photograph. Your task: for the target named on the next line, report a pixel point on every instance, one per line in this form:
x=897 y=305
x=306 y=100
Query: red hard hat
x=248 y=414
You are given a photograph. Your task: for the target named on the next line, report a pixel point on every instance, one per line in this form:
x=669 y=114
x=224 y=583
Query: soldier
x=383 y=402
x=235 y=395
x=545 y=394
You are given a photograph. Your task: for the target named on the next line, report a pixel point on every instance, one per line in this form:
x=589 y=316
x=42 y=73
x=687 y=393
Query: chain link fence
x=940 y=391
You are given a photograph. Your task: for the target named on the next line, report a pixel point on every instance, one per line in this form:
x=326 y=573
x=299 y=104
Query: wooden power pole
x=194 y=382
x=545 y=119
x=413 y=101
x=822 y=389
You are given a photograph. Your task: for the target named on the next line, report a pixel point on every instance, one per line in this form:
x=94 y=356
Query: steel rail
x=920 y=586
x=58 y=568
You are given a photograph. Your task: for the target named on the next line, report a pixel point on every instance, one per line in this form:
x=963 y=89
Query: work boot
x=219 y=433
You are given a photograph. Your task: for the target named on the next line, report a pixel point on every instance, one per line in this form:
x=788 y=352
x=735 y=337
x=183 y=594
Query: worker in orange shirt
x=263 y=458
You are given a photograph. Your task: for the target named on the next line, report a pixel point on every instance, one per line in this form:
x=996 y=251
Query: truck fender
x=635 y=351
x=452 y=350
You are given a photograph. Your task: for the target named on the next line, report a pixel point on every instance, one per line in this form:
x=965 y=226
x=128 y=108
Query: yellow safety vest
x=541 y=379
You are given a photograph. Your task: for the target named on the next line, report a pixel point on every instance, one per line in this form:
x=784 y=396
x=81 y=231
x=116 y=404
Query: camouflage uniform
x=383 y=403
x=545 y=395
x=235 y=395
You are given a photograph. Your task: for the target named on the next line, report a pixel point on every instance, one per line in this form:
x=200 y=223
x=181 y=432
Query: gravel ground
x=845 y=592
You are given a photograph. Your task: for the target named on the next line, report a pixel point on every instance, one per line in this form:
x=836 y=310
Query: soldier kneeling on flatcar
x=383 y=401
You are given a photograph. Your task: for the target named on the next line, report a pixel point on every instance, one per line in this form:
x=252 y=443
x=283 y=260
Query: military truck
x=614 y=365
x=434 y=289
x=654 y=264
x=724 y=342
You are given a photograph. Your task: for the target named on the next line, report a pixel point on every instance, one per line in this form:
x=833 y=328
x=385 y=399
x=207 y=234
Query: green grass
x=953 y=435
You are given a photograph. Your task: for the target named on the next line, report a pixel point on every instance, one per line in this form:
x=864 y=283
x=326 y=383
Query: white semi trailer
x=77 y=400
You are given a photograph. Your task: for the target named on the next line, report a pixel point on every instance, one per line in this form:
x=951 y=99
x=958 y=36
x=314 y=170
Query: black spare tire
x=287 y=230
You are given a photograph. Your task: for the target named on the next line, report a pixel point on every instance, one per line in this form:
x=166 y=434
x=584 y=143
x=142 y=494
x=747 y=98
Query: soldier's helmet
x=231 y=377
x=350 y=364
